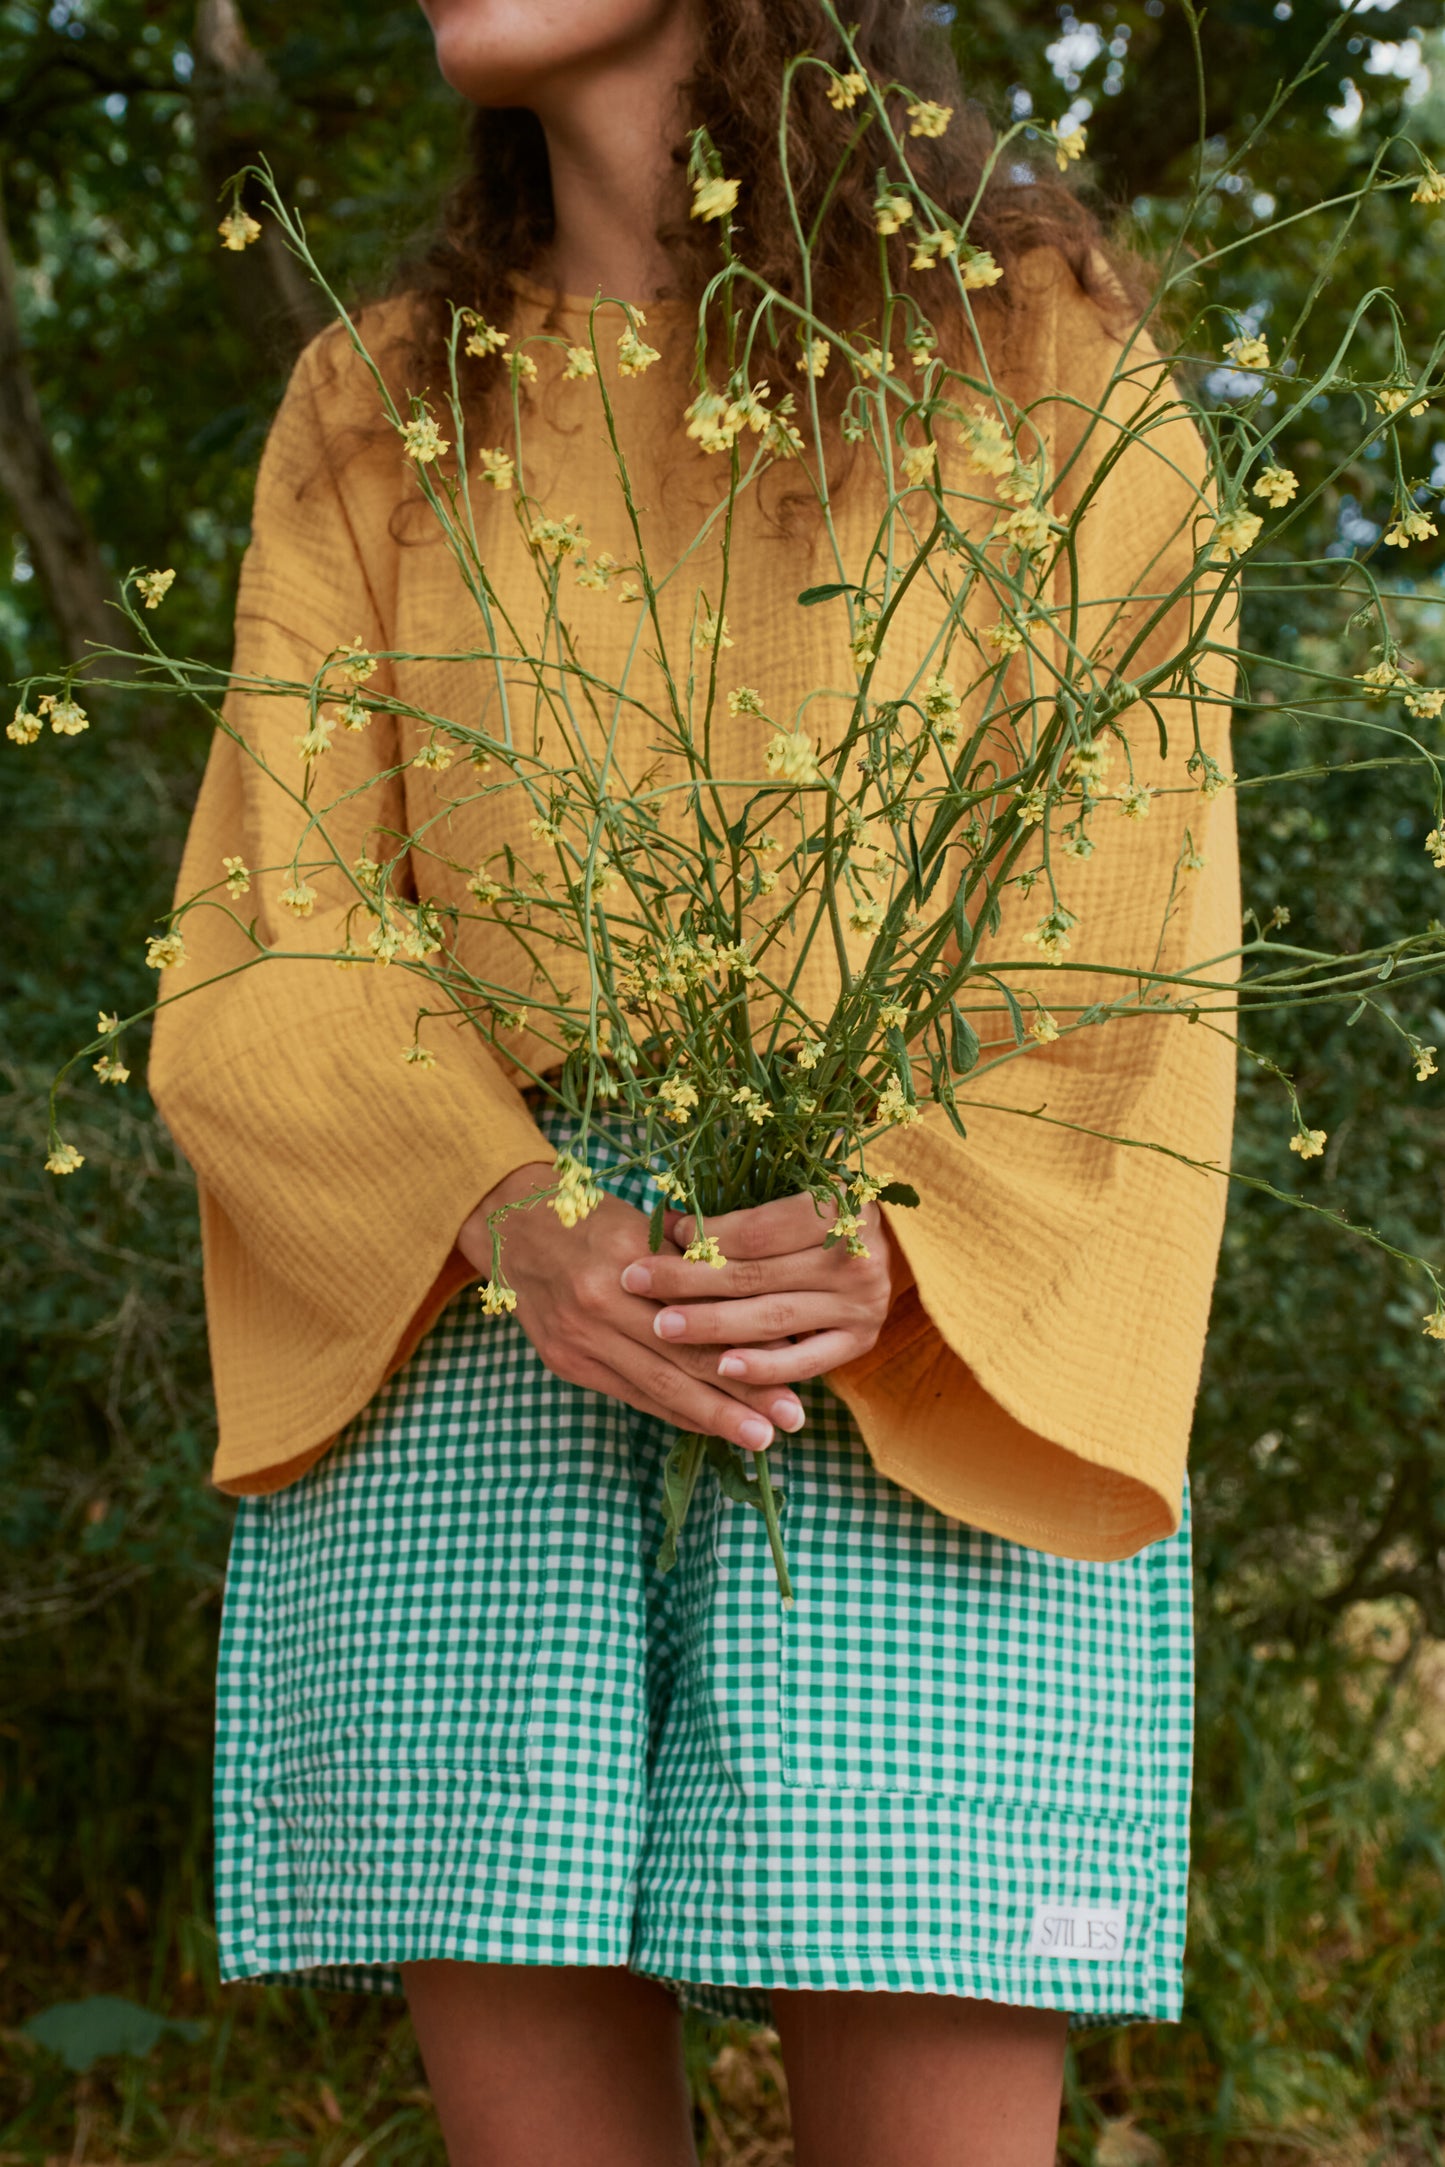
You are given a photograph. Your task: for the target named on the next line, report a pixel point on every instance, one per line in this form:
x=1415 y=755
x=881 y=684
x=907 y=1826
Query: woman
x=470 y=1742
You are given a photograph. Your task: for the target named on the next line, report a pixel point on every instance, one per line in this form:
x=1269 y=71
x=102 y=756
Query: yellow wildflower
x=711 y=630
x=165 y=951
x=300 y=900
x=64 y=1159
x=23 y=727
x=497 y=1301
x=1237 y=531
x=714 y=197
x=891 y=210
x=485 y=338
x=1383 y=677
x=1277 y=485
x=1435 y=844
x=581 y=361
x=940 y=702
x=977 y=269
x=1135 y=800
x=1043 y=1027
x=846 y=90
x=1028 y=528
x=1069 y=144
x=317 y=740
x=108 y=1022
x=1424 y=1060
x=434 y=756
x=153 y=587
x=894 y=1105
x=238 y=230
x=919 y=462
x=499 y=468
x=1430 y=188
x=355 y=663
x=893 y=1016
x=1390 y=398
x=419 y=1056
x=238 y=878
x=678 y=1096
x=554 y=539
x=1309 y=1143
x=743 y=700
x=66 y=718
x=703 y=1249
x=1435 y=1324
x=1005 y=638
x=1250 y=350
x=633 y=354
x=926 y=118
x=600 y=572
x=753 y=1104
x=423 y=440
x=866 y=917
x=809 y=1053
x=111 y=1070
x=931 y=248
x=791 y=755
x=1031 y=806
x=1051 y=934
x=629 y=591
x=1411 y=526
x=814 y=358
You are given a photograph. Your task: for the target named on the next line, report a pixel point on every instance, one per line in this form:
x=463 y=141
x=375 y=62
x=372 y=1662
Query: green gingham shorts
x=460 y=1714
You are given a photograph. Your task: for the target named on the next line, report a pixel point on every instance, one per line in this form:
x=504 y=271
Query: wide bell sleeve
x=1038 y=1379
x=333 y=1175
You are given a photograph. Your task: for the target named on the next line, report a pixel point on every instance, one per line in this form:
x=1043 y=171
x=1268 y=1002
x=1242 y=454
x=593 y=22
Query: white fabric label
x=1081 y=1933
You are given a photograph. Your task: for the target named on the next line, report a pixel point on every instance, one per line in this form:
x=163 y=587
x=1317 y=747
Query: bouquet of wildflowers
x=794 y=931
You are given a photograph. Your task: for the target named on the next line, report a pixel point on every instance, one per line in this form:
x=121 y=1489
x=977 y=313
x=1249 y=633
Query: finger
x=810 y=1357
x=744 y=1323
x=673 y=1279
x=781 y=1407
x=763 y=1230
x=686 y=1401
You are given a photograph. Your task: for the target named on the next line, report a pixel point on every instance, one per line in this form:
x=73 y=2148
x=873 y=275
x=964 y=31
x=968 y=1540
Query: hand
x=590 y=1331
x=778 y=1281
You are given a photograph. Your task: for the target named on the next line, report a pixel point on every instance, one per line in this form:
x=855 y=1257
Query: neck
x=609 y=135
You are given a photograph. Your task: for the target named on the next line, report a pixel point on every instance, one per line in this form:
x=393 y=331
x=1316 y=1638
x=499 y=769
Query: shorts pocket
x=924 y=1656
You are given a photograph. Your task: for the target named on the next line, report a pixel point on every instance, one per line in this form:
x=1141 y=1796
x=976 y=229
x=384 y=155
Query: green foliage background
x=1317 y=1972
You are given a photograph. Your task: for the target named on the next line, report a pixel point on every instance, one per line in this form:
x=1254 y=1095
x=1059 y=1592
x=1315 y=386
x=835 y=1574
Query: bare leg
x=874 y=2079
x=552 y=2065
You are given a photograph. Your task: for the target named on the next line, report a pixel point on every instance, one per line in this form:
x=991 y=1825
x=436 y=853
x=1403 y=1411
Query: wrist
x=475 y=1238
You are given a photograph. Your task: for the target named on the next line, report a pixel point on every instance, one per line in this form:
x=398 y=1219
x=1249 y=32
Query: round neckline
x=578 y=304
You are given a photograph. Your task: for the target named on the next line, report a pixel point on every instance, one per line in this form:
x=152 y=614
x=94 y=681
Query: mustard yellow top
x=1038 y=1378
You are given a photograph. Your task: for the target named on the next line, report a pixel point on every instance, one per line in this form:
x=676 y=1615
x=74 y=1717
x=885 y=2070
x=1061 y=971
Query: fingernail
x=755 y=1433
x=669 y=1324
x=637 y=1279
x=787 y=1414
x=732 y=1365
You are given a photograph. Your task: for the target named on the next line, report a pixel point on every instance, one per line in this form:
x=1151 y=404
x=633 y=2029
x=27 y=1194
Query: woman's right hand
x=589 y=1332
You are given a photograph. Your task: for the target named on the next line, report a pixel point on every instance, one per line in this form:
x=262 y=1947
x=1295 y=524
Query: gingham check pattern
x=460 y=1714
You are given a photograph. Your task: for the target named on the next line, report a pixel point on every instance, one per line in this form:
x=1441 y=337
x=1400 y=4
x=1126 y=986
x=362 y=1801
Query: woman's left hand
x=782 y=1306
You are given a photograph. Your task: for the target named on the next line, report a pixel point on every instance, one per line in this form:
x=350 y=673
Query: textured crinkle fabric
x=462 y=1715
x=1038 y=1379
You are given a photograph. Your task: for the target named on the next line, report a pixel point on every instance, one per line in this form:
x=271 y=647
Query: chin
x=504 y=52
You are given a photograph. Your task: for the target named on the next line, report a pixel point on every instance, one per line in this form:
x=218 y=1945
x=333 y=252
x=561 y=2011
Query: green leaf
x=84 y=2032
x=899 y=1192
x=734 y=1482
x=1016 y=1014
x=679 y=1480
x=962 y=930
x=655 y=1227
x=964 y=1048
x=830 y=593
x=1357 y=1011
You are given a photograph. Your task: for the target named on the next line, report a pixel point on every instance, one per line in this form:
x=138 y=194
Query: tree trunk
x=67 y=562
x=236 y=108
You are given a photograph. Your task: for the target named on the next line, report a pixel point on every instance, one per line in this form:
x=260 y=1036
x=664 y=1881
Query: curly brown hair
x=498 y=217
